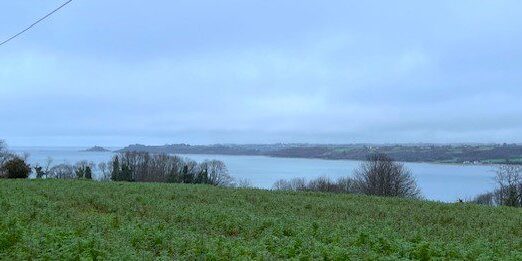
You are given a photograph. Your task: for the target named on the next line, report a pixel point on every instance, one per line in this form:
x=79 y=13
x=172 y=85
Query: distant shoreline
x=468 y=155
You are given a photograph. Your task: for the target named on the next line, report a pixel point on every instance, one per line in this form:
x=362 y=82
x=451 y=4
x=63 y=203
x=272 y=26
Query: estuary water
x=439 y=182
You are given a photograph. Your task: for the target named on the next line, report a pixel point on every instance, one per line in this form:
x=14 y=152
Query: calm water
x=437 y=181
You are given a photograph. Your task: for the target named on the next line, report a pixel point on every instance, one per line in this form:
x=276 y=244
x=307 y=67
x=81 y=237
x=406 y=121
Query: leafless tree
x=62 y=171
x=146 y=167
x=380 y=175
x=321 y=184
x=298 y=184
x=217 y=173
x=47 y=165
x=83 y=169
x=243 y=183
x=484 y=199
x=346 y=185
x=104 y=171
x=282 y=184
x=5 y=155
x=509 y=185
x=295 y=184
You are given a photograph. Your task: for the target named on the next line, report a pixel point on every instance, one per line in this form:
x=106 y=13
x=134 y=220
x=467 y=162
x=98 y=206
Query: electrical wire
x=35 y=23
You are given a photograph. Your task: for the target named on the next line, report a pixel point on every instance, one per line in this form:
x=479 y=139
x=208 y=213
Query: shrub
x=16 y=169
x=380 y=175
x=321 y=184
x=62 y=171
x=484 y=199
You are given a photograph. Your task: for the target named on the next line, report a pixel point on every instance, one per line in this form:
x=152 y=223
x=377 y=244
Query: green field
x=55 y=219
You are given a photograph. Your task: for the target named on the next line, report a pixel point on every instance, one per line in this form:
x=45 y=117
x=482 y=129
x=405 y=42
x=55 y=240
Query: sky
x=261 y=71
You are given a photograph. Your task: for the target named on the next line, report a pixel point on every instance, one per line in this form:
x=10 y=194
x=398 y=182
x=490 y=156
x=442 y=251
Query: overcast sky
x=244 y=71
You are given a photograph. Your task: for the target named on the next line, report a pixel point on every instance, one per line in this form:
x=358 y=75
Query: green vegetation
x=81 y=219
x=454 y=153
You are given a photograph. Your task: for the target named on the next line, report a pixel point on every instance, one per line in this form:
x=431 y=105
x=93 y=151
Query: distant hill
x=456 y=153
x=96 y=149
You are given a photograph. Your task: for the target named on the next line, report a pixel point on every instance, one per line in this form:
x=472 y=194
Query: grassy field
x=54 y=219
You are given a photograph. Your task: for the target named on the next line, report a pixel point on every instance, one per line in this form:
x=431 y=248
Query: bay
x=441 y=182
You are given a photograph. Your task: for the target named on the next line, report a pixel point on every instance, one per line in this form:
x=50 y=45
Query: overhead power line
x=35 y=23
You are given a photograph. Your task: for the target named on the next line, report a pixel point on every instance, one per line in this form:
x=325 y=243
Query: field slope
x=53 y=219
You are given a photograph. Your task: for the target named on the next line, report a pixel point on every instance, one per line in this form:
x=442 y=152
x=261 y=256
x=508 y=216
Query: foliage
x=39 y=171
x=83 y=169
x=458 y=153
x=15 y=168
x=147 y=167
x=43 y=171
x=84 y=220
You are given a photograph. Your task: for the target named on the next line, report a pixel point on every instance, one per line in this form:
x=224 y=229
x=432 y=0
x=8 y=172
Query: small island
x=96 y=149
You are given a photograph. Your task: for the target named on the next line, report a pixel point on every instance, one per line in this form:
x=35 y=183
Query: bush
x=380 y=175
x=509 y=188
x=484 y=199
x=15 y=169
x=62 y=171
x=321 y=184
x=83 y=169
x=5 y=155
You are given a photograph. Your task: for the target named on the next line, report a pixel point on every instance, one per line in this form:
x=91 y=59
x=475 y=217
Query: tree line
x=146 y=167
x=125 y=166
x=378 y=175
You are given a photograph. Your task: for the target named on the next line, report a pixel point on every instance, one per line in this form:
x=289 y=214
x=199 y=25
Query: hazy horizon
x=114 y=73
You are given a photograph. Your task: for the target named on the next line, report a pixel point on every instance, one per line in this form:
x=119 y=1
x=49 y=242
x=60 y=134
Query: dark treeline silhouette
x=379 y=175
x=12 y=166
x=456 y=153
x=125 y=166
x=508 y=191
x=147 y=167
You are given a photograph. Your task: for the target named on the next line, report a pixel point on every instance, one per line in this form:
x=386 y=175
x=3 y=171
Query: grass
x=56 y=219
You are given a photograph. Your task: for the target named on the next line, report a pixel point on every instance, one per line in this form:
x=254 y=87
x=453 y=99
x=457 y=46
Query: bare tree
x=282 y=184
x=509 y=182
x=83 y=169
x=62 y=171
x=243 y=184
x=380 y=175
x=321 y=184
x=43 y=171
x=147 y=167
x=217 y=172
x=346 y=185
x=295 y=184
x=48 y=163
x=104 y=170
x=5 y=155
x=484 y=199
